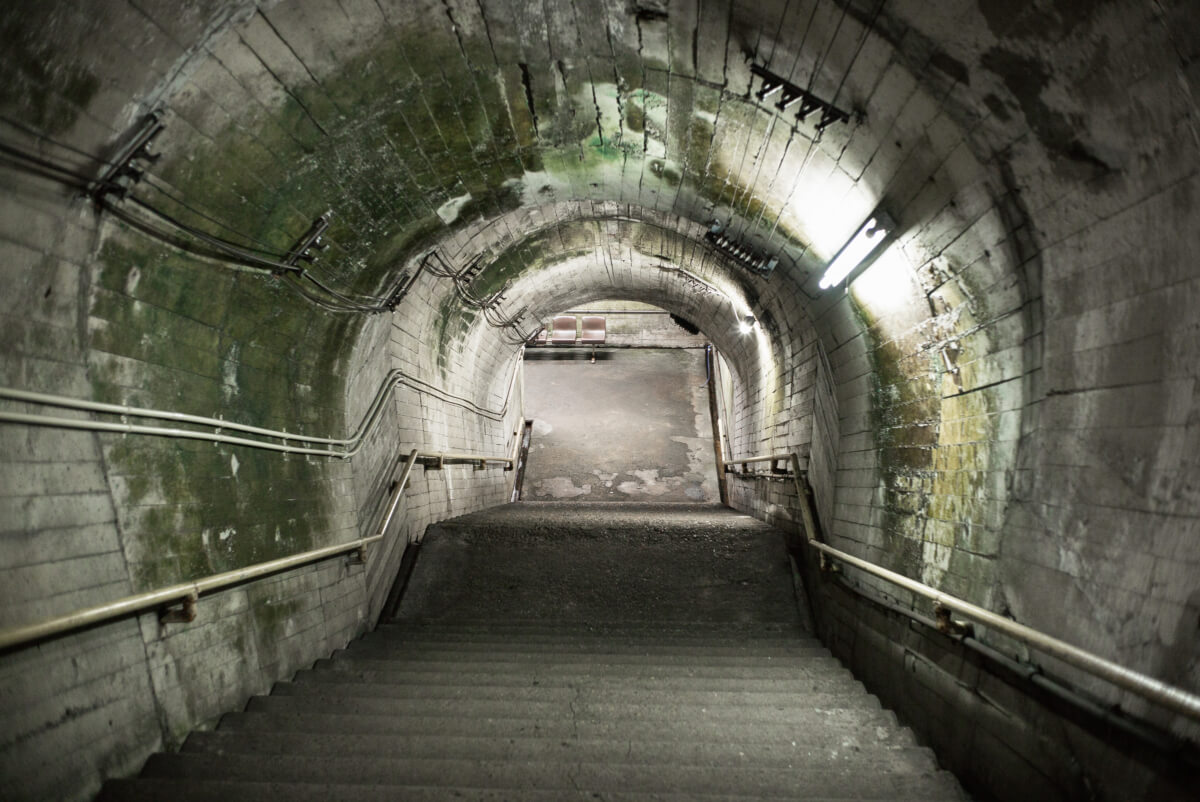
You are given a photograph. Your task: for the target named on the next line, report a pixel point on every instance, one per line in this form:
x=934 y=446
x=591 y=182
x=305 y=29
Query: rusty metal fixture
x=948 y=626
x=184 y=614
x=123 y=172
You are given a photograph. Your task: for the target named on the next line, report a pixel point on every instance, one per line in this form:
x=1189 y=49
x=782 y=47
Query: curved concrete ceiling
x=1028 y=152
x=418 y=124
x=410 y=120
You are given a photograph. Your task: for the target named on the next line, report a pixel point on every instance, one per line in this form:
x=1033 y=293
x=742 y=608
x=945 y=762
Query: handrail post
x=804 y=498
x=185 y=614
x=398 y=492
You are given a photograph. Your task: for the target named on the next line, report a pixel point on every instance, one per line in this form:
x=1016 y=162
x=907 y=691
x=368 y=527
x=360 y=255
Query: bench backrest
x=563 y=329
x=594 y=329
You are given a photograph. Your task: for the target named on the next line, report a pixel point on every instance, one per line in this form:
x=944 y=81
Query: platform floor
x=633 y=426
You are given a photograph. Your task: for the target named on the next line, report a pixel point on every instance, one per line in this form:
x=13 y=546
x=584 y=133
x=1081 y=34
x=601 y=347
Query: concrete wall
x=1003 y=405
x=1015 y=434
x=92 y=517
x=97 y=311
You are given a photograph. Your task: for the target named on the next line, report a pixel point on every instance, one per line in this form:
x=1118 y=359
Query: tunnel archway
x=1001 y=405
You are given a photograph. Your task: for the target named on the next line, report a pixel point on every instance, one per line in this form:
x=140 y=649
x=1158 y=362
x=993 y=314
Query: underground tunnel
x=273 y=273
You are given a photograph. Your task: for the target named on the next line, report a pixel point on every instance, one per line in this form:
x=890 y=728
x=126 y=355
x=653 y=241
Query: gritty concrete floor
x=634 y=426
x=605 y=563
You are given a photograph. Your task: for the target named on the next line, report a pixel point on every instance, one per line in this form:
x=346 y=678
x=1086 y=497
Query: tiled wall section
x=88 y=518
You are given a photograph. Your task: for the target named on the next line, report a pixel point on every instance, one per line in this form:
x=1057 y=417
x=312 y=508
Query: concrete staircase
x=563 y=652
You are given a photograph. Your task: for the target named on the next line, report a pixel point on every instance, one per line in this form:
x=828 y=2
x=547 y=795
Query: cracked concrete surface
x=632 y=427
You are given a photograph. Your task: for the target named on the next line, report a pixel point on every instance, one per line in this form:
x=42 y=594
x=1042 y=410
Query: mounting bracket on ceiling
x=312 y=240
x=122 y=172
x=790 y=94
x=740 y=253
x=468 y=273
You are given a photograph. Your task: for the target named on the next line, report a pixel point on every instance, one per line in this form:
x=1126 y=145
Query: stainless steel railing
x=217 y=430
x=1167 y=696
x=187 y=594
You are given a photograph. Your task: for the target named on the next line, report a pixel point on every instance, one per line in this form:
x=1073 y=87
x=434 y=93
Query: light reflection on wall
x=888 y=287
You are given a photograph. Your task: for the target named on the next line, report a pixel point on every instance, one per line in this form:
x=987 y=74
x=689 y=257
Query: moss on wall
x=387 y=141
x=49 y=84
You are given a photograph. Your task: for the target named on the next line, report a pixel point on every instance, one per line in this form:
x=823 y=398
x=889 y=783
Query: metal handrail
x=188 y=593
x=452 y=458
x=771 y=458
x=333 y=447
x=1161 y=693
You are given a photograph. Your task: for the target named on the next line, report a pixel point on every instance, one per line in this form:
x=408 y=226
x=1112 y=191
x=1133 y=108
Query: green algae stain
x=934 y=456
x=453 y=324
x=53 y=88
x=903 y=467
x=157 y=339
x=381 y=150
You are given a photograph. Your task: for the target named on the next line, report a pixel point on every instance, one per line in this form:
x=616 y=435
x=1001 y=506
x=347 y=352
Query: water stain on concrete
x=632 y=427
x=560 y=487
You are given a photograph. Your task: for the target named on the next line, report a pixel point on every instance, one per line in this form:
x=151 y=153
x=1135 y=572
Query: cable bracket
x=123 y=171
x=790 y=94
x=304 y=247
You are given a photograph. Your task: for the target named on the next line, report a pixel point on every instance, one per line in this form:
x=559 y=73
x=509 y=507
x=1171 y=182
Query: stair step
x=333 y=700
x=518 y=654
x=266 y=714
x=601 y=644
x=825 y=780
x=481 y=691
x=879 y=753
x=598 y=624
x=200 y=790
x=727 y=640
x=632 y=668
x=574 y=694
x=582 y=629
x=383 y=672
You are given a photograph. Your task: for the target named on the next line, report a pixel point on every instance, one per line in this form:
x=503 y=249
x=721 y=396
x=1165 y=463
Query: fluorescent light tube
x=865 y=241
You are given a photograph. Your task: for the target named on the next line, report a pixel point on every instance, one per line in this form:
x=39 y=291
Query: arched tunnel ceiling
x=545 y=259
x=450 y=126
x=1033 y=322
x=410 y=120
x=416 y=123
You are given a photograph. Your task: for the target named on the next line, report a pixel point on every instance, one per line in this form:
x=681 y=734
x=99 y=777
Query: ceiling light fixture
x=861 y=246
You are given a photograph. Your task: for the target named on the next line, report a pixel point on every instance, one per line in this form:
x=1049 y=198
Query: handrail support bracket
x=947 y=625
x=185 y=613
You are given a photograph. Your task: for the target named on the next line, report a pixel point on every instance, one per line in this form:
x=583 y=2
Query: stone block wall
x=88 y=518
x=1023 y=445
x=95 y=310
x=1003 y=407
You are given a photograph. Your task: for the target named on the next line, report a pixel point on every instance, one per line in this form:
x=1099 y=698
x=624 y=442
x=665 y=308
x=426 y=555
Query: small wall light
x=862 y=245
x=746 y=324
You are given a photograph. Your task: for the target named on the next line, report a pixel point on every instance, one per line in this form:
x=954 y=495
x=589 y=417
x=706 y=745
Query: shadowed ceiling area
x=1000 y=401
